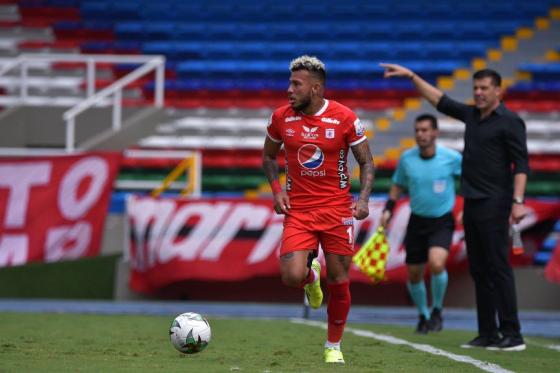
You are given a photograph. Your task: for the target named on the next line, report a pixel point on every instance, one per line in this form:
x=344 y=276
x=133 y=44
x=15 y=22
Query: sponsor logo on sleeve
x=359 y=127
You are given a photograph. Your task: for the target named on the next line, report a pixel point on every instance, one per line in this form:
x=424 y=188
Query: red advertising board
x=54 y=208
x=173 y=240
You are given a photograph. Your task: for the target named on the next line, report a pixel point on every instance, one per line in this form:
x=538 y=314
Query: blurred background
x=132 y=131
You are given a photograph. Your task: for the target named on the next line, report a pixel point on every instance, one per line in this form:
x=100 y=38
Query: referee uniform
x=431 y=188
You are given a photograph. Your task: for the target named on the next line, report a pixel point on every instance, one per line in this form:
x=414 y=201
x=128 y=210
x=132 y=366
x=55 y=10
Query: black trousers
x=486 y=223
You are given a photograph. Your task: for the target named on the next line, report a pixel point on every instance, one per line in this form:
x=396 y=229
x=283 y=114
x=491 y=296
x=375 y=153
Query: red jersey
x=316 y=148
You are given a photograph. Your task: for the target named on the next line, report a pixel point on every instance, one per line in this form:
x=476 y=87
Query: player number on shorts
x=350 y=235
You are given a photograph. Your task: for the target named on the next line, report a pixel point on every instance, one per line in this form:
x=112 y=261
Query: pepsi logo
x=310 y=156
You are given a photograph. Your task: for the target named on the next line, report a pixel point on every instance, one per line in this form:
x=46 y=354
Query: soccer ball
x=190 y=333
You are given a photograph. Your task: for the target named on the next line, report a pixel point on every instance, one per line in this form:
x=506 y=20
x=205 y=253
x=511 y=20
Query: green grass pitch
x=119 y=343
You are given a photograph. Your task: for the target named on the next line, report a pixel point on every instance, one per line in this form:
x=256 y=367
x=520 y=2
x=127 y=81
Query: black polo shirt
x=495 y=149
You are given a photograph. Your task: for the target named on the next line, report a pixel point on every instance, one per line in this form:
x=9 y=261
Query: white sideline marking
x=551 y=347
x=483 y=365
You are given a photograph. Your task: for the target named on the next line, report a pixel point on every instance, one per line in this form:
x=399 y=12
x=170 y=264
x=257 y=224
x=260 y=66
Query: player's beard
x=303 y=104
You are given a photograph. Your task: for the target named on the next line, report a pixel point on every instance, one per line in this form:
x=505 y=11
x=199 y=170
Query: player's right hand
x=386 y=216
x=281 y=203
x=394 y=70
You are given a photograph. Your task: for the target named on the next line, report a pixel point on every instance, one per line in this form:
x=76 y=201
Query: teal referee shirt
x=430 y=182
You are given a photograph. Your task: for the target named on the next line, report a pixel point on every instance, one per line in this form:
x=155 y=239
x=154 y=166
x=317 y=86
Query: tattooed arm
x=270 y=167
x=363 y=156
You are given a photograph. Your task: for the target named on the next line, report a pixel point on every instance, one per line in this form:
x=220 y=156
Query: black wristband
x=390 y=205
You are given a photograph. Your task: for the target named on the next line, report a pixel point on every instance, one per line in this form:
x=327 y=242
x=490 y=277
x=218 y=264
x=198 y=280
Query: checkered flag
x=372 y=256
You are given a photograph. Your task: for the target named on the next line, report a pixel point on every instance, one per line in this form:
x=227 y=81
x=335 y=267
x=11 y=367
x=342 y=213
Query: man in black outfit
x=495 y=140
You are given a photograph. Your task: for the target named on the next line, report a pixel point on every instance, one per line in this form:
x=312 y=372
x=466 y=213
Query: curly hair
x=311 y=64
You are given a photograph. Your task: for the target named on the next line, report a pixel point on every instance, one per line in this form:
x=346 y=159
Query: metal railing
x=113 y=92
x=189 y=164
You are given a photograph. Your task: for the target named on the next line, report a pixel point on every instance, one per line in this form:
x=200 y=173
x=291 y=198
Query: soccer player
x=494 y=176
x=317 y=134
x=427 y=171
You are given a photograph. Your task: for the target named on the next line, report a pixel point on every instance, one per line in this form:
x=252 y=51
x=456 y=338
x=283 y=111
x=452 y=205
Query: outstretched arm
x=270 y=166
x=428 y=91
x=363 y=156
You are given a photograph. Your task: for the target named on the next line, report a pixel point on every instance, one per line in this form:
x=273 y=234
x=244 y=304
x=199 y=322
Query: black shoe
x=508 y=343
x=436 y=322
x=481 y=341
x=422 y=327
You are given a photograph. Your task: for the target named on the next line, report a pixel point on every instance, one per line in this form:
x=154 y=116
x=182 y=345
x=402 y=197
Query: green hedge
x=90 y=278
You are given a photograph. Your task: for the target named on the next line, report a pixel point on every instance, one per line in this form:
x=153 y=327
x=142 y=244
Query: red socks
x=337 y=309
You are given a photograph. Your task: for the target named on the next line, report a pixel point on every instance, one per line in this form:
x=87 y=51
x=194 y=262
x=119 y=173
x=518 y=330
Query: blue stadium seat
x=441 y=50
x=123 y=10
x=410 y=50
x=474 y=30
x=221 y=31
x=379 y=51
x=542 y=257
x=129 y=30
x=252 y=31
x=94 y=10
x=159 y=30
x=411 y=11
x=253 y=50
x=473 y=48
x=378 y=31
x=544 y=71
x=441 y=30
x=407 y=30
x=506 y=27
x=219 y=45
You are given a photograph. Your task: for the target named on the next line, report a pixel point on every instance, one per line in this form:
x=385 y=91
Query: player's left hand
x=360 y=209
x=518 y=212
x=281 y=203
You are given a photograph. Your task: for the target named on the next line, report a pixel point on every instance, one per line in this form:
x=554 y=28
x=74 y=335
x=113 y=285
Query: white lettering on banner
x=71 y=206
x=395 y=236
x=269 y=240
x=13 y=249
x=144 y=211
x=155 y=228
x=217 y=224
x=67 y=242
x=20 y=178
x=210 y=216
x=244 y=215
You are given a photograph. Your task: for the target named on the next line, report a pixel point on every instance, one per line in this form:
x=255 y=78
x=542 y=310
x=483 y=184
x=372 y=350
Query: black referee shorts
x=423 y=233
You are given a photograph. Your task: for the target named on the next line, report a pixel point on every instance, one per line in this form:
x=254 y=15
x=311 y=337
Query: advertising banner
x=173 y=240
x=54 y=208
